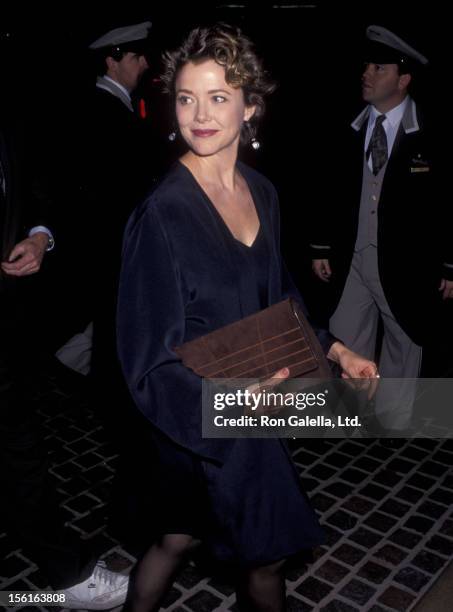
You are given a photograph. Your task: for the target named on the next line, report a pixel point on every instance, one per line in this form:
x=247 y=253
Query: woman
x=203 y=251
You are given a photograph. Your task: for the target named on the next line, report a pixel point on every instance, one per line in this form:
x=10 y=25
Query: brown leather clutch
x=258 y=346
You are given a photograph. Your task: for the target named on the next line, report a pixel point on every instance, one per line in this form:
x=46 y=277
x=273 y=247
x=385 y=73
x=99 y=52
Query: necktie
x=378 y=145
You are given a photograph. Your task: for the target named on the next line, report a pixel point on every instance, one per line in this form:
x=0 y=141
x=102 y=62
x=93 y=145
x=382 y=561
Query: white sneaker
x=101 y=591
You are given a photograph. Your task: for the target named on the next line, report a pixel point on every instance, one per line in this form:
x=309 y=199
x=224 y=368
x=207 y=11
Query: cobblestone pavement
x=387 y=514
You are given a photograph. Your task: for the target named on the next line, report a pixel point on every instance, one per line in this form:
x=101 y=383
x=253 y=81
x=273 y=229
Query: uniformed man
x=119 y=172
x=380 y=241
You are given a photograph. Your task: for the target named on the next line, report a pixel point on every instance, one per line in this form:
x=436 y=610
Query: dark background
x=313 y=51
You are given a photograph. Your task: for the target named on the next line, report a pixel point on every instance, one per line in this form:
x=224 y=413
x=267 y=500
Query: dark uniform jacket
x=23 y=205
x=120 y=169
x=25 y=202
x=105 y=170
x=413 y=214
x=119 y=175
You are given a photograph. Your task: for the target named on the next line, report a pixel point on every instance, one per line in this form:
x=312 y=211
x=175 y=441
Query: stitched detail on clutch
x=267 y=363
x=252 y=346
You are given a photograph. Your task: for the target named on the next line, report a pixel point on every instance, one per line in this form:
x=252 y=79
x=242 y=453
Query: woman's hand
x=262 y=387
x=352 y=364
x=355 y=366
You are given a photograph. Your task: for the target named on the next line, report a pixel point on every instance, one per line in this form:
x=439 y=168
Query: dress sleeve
x=151 y=322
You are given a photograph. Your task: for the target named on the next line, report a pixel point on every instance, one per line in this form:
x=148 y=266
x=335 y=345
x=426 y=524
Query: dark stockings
x=263 y=589
x=260 y=590
x=156 y=570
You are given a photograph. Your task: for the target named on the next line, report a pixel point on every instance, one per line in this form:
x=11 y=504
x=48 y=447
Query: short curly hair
x=226 y=45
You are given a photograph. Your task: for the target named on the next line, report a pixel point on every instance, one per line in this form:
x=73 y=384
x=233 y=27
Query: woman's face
x=209 y=112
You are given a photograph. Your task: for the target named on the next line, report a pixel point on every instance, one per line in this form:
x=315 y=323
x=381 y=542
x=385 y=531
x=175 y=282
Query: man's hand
x=26 y=256
x=321 y=268
x=446 y=286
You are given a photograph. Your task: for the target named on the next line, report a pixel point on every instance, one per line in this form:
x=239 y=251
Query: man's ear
x=111 y=63
x=404 y=81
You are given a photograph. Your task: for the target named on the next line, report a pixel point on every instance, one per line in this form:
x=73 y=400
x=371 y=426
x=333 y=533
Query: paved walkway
x=388 y=515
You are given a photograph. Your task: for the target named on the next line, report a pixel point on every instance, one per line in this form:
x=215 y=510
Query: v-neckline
x=219 y=216
x=255 y=240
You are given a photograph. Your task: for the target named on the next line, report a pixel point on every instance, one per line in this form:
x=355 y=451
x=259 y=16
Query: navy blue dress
x=183 y=276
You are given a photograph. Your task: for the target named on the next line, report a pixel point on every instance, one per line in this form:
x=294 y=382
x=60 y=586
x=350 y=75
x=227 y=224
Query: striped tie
x=378 y=145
